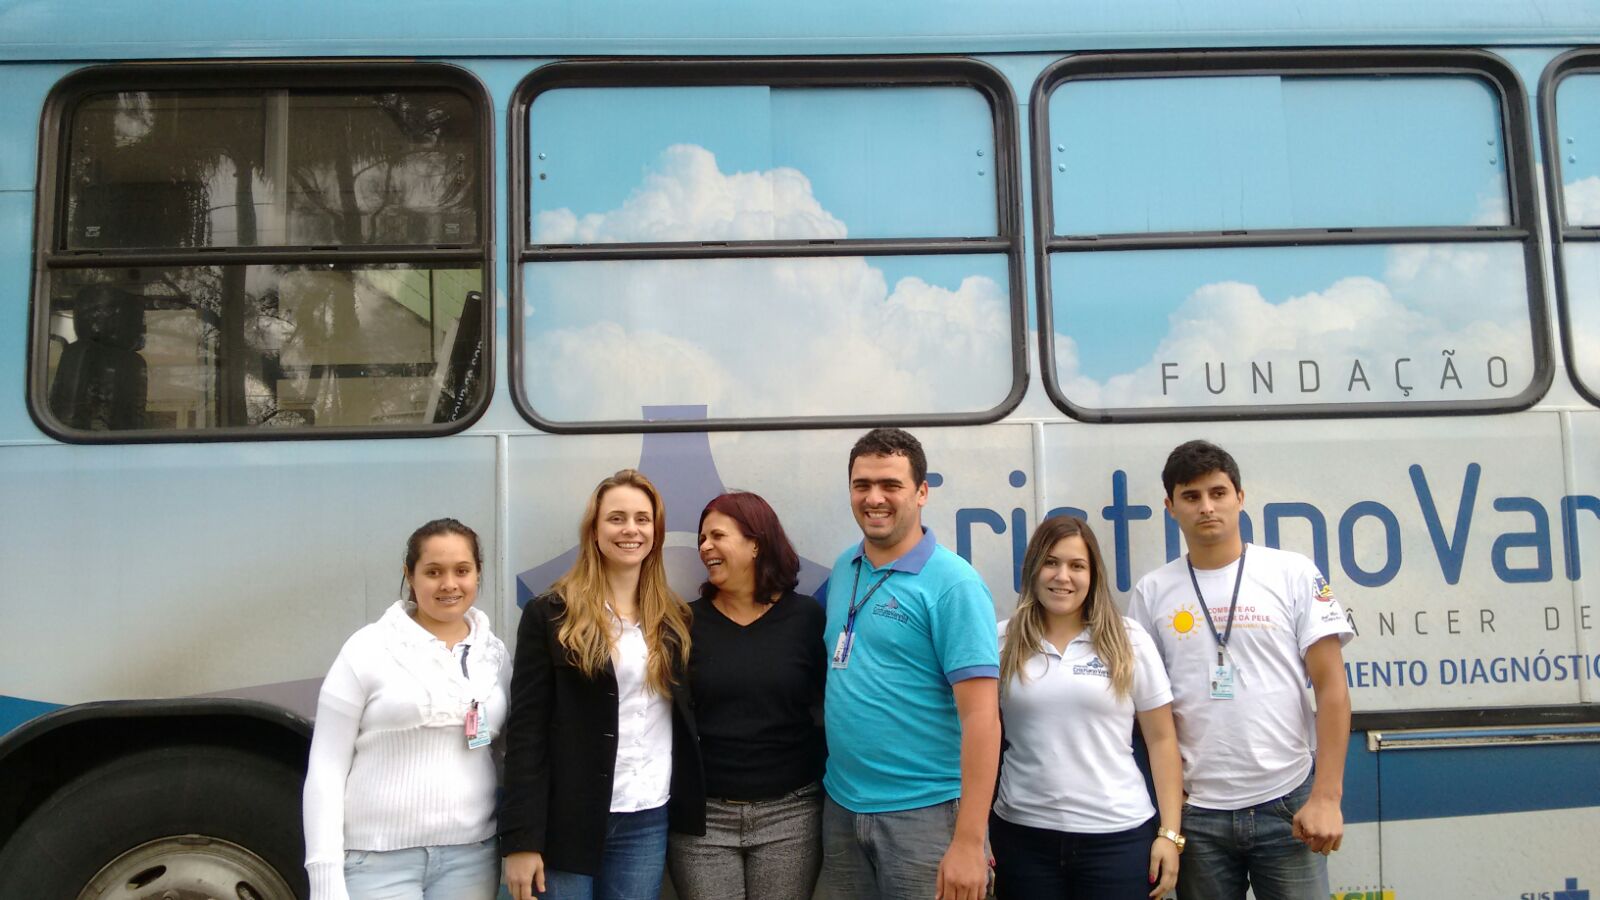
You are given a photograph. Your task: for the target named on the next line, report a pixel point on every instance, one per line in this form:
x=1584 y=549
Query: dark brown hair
x=892 y=442
x=777 y=565
x=437 y=528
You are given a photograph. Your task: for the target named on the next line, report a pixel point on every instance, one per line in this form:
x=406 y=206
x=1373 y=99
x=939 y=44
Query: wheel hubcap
x=187 y=867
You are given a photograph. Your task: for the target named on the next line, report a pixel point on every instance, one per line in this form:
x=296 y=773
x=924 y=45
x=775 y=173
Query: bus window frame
x=864 y=71
x=1522 y=202
x=1579 y=61
x=51 y=253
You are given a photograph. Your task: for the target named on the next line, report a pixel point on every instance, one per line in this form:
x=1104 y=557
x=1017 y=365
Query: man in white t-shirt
x=1241 y=629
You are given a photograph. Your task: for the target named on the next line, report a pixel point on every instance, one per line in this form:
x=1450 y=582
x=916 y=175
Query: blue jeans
x=631 y=862
x=887 y=855
x=1254 y=847
x=453 y=872
x=1040 y=864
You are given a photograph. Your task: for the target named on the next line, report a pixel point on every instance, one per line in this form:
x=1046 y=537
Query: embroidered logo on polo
x=1093 y=667
x=890 y=609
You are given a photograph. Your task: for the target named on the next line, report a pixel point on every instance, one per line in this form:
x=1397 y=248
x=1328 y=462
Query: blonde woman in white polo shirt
x=1072 y=817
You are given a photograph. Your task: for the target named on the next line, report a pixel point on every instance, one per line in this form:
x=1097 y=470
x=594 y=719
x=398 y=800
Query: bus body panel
x=1458 y=544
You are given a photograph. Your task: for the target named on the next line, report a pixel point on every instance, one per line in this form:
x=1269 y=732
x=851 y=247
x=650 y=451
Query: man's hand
x=964 y=871
x=1320 y=824
x=525 y=875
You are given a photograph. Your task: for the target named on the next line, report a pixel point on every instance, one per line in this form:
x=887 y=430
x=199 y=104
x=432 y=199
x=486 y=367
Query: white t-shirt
x=1069 y=766
x=1259 y=745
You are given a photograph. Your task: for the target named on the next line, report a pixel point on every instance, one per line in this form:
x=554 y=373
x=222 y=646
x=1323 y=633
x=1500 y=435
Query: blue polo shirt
x=894 y=737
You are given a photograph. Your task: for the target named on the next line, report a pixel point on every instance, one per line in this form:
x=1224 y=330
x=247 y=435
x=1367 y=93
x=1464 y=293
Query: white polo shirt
x=1257 y=746
x=1069 y=764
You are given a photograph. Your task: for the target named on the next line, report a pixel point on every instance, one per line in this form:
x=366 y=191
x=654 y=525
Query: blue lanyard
x=855 y=607
x=1221 y=639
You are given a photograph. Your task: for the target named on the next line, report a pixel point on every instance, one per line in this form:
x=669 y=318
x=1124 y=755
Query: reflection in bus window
x=276 y=341
x=271 y=168
x=298 y=346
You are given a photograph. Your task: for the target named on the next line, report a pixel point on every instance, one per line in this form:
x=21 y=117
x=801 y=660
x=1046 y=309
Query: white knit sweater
x=389 y=765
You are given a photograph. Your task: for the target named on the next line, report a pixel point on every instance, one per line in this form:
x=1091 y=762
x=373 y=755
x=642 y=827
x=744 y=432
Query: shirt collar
x=409 y=631
x=1082 y=637
x=911 y=563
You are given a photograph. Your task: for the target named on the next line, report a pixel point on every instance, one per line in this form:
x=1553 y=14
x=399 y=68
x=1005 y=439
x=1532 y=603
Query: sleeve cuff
x=970 y=672
x=327 y=881
x=522 y=840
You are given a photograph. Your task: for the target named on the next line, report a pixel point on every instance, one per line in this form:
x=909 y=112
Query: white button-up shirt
x=643 y=777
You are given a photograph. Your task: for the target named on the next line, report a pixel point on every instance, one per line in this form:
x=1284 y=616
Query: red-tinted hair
x=777 y=565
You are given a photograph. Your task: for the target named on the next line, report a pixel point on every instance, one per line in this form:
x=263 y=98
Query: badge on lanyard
x=477 y=734
x=1222 y=678
x=1222 y=673
x=841 y=650
x=847 y=637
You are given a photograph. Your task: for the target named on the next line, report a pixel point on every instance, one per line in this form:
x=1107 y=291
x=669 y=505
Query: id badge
x=841 y=650
x=477 y=735
x=1222 y=681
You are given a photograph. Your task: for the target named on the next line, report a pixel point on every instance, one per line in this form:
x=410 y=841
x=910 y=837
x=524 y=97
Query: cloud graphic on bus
x=755 y=337
x=1433 y=321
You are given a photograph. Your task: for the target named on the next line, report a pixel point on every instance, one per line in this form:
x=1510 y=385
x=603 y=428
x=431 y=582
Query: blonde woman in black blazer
x=602 y=756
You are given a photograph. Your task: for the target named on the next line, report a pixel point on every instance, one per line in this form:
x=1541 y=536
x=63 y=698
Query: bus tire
x=195 y=820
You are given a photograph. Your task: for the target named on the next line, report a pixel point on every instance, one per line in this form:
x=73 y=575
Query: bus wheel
x=170 y=822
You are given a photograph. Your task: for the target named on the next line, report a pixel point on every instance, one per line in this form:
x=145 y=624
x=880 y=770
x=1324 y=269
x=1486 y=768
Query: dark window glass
x=178 y=169
x=255 y=259
x=279 y=346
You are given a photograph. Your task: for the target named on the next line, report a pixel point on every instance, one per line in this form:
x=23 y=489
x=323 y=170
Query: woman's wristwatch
x=1172 y=836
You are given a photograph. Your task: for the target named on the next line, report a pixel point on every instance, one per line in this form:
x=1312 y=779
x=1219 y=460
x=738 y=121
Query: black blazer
x=561 y=751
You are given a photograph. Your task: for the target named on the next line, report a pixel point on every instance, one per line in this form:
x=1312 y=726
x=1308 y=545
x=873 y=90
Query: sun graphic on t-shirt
x=1183 y=621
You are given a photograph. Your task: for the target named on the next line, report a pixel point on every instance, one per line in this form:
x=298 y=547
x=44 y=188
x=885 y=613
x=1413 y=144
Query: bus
x=283 y=281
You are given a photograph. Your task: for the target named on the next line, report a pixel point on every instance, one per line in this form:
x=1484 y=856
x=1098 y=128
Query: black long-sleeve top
x=757 y=690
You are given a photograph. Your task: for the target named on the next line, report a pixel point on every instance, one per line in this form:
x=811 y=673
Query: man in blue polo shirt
x=912 y=707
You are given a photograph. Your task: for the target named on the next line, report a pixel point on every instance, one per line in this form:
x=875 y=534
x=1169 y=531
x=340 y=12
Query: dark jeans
x=1254 y=847
x=631 y=864
x=1040 y=864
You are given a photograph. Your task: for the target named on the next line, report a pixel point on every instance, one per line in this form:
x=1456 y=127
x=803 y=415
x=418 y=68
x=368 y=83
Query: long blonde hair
x=663 y=617
x=1100 y=615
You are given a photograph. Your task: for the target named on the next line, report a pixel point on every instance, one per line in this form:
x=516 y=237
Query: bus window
x=775 y=246
x=795 y=163
x=259 y=260
x=1269 y=151
x=1278 y=239
x=1574 y=170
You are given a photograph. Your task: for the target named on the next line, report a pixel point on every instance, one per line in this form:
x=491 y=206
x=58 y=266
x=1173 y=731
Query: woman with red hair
x=756 y=673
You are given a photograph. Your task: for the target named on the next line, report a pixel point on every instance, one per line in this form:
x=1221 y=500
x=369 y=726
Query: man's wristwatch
x=1172 y=836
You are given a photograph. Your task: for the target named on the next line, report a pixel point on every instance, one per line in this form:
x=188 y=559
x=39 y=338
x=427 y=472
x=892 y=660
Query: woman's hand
x=1163 y=866
x=525 y=874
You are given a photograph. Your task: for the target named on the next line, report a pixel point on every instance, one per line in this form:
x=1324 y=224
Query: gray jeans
x=760 y=850
x=885 y=856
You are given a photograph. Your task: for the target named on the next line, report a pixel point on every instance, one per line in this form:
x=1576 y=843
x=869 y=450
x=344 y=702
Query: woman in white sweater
x=400 y=788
